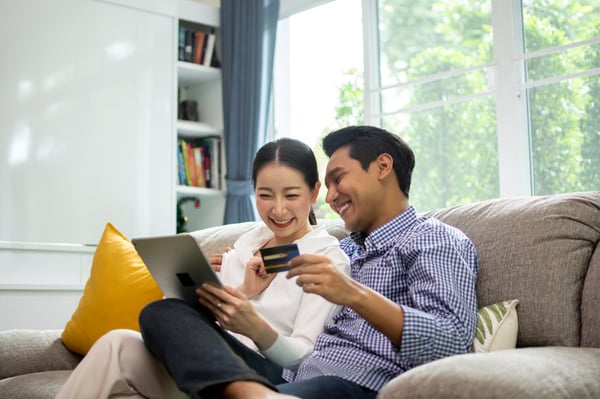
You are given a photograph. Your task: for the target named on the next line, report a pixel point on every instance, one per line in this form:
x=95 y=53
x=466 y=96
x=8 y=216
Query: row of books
x=197 y=46
x=199 y=162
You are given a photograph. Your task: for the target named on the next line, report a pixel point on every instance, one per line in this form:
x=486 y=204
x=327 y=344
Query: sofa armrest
x=527 y=373
x=28 y=351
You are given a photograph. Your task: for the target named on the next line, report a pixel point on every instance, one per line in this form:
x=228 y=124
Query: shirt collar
x=381 y=235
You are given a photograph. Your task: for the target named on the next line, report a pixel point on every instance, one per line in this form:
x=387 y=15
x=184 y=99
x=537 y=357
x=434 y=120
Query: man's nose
x=331 y=195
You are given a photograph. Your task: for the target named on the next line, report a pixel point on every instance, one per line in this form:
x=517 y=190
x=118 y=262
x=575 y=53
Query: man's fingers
x=307 y=259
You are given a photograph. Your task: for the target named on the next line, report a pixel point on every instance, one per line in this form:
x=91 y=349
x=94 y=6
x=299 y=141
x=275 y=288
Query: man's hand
x=216 y=260
x=317 y=275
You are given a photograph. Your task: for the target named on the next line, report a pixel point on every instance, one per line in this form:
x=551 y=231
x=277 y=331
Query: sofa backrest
x=216 y=239
x=544 y=251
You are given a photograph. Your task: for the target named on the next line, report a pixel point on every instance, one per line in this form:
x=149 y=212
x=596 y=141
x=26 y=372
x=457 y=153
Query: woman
x=262 y=319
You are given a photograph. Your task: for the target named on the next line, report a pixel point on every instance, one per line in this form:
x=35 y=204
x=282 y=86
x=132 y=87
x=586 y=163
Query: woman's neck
x=276 y=241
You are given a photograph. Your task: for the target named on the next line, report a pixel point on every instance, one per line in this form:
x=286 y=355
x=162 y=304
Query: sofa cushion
x=525 y=373
x=42 y=385
x=30 y=350
x=590 y=314
x=118 y=288
x=536 y=249
x=214 y=240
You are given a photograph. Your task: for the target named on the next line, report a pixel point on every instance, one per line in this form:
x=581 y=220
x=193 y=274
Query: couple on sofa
x=410 y=297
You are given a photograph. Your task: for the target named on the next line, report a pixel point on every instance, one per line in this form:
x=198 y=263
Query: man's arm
x=441 y=317
x=316 y=275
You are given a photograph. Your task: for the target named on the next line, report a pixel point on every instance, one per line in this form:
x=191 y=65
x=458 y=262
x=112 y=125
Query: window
x=496 y=97
x=435 y=64
x=317 y=85
x=562 y=70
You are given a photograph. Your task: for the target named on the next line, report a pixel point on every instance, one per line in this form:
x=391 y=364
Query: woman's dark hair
x=366 y=143
x=292 y=153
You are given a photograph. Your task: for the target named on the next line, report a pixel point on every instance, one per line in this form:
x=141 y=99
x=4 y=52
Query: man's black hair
x=366 y=143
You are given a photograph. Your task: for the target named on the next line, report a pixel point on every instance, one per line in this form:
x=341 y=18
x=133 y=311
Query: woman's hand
x=256 y=279
x=234 y=312
x=216 y=260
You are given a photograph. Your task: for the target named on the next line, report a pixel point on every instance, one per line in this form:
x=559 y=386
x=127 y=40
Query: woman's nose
x=279 y=207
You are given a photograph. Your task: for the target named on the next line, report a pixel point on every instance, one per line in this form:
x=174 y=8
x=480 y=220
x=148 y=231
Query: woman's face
x=284 y=200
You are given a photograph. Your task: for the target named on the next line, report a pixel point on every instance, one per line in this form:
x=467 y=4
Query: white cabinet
x=88 y=109
x=85 y=121
x=88 y=135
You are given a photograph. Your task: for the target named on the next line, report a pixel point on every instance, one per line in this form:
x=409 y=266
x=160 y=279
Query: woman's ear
x=315 y=193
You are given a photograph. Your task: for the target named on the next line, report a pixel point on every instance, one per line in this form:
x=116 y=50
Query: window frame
x=509 y=85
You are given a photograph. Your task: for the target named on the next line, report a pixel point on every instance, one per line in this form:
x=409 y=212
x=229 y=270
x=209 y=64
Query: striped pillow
x=497 y=327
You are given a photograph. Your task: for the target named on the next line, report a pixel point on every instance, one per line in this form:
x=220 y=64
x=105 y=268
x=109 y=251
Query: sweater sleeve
x=314 y=311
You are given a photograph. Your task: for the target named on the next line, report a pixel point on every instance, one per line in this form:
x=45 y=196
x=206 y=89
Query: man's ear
x=385 y=165
x=315 y=193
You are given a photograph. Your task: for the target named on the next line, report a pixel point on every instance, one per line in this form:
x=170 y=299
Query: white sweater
x=297 y=317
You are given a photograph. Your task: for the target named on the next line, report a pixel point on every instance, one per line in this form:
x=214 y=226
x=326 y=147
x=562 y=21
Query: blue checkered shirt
x=430 y=270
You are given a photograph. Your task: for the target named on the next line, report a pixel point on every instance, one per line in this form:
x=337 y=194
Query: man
x=410 y=298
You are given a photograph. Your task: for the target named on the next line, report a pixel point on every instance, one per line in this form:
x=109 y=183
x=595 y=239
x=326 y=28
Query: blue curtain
x=248 y=30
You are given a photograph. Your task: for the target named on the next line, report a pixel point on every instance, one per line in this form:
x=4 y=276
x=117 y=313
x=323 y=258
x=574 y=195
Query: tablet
x=177 y=264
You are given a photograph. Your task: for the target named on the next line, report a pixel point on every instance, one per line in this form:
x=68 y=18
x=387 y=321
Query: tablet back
x=177 y=264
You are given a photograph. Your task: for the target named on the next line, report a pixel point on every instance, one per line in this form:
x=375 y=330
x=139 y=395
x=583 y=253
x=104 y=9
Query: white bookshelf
x=202 y=84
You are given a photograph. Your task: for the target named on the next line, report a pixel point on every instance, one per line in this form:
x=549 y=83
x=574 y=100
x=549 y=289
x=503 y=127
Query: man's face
x=353 y=192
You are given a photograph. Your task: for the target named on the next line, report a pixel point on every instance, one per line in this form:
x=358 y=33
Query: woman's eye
x=264 y=196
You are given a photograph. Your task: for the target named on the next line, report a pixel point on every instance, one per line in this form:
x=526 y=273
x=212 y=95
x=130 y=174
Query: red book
x=199 y=40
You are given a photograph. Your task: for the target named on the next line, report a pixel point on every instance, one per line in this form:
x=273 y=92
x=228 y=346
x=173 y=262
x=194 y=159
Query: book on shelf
x=186 y=165
x=181 y=42
x=191 y=165
x=189 y=45
x=200 y=164
x=215 y=151
x=199 y=42
x=198 y=45
x=210 y=48
x=181 y=167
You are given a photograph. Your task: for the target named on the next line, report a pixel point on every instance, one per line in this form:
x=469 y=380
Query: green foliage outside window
x=456 y=141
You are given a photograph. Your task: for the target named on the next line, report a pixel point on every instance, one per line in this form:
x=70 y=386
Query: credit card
x=275 y=259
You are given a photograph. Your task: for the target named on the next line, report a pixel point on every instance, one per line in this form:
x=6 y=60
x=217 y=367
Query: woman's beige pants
x=120 y=366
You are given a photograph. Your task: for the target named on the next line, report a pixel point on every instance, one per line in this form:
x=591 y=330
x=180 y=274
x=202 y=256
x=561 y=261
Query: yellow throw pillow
x=118 y=288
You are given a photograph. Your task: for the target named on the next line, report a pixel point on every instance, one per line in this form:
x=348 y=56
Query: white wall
x=86 y=105
x=87 y=94
x=41 y=284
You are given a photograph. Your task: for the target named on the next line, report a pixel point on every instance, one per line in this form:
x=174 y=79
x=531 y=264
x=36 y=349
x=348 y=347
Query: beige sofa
x=543 y=251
